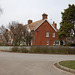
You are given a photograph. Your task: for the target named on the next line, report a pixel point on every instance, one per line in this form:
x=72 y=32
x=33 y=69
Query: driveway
x=31 y=64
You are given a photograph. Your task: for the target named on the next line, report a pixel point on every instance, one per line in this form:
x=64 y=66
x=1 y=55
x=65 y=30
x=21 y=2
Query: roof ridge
x=35 y=22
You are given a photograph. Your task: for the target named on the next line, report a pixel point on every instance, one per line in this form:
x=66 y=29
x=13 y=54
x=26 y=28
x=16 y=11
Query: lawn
x=69 y=64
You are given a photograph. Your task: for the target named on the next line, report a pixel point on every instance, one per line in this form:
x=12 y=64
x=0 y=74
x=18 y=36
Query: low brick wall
x=9 y=48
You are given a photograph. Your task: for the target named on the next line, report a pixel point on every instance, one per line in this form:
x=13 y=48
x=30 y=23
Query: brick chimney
x=44 y=16
x=54 y=25
x=30 y=21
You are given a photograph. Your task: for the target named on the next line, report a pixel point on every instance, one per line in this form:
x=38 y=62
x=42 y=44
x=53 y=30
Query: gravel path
x=31 y=64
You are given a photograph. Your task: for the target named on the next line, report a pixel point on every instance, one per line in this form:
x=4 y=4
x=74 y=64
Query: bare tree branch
x=1 y=11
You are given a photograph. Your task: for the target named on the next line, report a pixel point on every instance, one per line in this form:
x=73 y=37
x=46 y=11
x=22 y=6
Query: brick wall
x=40 y=34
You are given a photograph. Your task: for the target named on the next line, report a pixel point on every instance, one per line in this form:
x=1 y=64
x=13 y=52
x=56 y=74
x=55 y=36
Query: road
x=31 y=64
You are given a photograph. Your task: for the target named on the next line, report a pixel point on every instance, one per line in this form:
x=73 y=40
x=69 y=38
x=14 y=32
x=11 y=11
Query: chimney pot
x=44 y=16
x=54 y=25
x=30 y=21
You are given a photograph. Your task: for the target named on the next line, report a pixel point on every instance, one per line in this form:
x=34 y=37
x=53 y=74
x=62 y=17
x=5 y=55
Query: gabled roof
x=35 y=25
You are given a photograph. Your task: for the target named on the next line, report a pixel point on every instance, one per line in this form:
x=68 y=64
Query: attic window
x=37 y=30
x=47 y=34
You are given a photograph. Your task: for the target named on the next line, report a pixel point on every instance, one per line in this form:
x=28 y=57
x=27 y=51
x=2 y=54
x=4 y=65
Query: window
x=53 y=42
x=37 y=30
x=47 y=42
x=57 y=42
x=47 y=34
x=53 y=34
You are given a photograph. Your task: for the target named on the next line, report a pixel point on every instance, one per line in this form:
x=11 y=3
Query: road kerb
x=64 y=68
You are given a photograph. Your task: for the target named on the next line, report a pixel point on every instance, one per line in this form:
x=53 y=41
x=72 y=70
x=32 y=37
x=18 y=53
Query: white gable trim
x=48 y=22
x=39 y=25
x=52 y=26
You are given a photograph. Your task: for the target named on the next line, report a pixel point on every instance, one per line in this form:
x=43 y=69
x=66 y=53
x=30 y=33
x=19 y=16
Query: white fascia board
x=52 y=26
x=40 y=24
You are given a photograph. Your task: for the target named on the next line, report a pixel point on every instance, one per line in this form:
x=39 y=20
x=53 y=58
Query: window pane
x=57 y=43
x=47 y=42
x=53 y=34
x=47 y=34
x=53 y=42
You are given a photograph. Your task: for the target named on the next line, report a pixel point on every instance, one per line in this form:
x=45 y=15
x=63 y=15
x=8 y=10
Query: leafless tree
x=1 y=11
x=18 y=32
x=28 y=38
x=4 y=32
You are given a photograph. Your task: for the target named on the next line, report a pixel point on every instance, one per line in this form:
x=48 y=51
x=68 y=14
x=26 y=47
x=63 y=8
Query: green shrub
x=39 y=50
x=47 y=50
x=52 y=50
x=15 y=49
x=24 y=50
x=68 y=44
x=71 y=51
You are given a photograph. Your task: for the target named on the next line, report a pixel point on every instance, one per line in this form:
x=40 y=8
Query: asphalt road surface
x=31 y=64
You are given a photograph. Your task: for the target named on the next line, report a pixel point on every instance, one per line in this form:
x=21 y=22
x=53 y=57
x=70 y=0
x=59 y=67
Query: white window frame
x=31 y=42
x=47 y=42
x=53 y=43
x=63 y=42
x=53 y=35
x=58 y=43
x=47 y=34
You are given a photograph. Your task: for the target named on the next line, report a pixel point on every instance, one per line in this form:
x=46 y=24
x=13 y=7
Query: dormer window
x=47 y=34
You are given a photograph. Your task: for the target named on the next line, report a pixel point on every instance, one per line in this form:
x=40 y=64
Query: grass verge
x=69 y=64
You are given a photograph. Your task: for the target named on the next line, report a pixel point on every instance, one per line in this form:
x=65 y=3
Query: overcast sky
x=22 y=10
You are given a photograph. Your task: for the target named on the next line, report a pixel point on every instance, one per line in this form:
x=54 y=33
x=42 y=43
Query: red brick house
x=43 y=33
